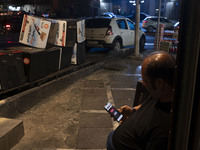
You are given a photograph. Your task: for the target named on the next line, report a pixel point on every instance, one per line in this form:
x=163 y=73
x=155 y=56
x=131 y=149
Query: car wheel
x=117 y=45
x=150 y=29
x=142 y=43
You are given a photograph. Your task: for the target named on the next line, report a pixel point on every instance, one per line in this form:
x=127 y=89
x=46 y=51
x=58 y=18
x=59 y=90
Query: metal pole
x=137 y=27
x=158 y=24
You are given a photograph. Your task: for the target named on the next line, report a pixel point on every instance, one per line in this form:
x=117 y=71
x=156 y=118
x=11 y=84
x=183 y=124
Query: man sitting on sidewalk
x=147 y=126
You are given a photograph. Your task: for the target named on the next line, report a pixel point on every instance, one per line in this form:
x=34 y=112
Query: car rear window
x=154 y=19
x=97 y=23
x=161 y=19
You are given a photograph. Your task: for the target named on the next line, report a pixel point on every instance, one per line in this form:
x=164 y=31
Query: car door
x=167 y=23
x=131 y=39
x=123 y=31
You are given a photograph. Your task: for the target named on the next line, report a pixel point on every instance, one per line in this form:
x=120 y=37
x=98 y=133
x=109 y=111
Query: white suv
x=150 y=23
x=111 y=32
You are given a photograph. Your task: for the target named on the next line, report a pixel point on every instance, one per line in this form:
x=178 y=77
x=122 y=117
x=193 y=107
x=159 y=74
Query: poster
x=81 y=31
x=34 y=31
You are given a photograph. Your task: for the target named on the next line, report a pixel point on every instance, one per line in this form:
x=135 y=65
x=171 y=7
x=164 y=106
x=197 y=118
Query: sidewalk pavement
x=118 y=86
x=74 y=118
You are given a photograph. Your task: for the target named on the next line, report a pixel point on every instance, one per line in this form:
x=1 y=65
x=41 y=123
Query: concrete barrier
x=14 y=105
x=11 y=132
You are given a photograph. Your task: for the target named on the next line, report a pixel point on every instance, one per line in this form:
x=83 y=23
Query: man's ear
x=159 y=84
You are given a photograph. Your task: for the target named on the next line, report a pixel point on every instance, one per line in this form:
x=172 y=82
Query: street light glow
x=14 y=8
x=134 y=3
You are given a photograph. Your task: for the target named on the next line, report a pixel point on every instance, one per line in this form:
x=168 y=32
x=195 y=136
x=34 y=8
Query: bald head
x=159 y=65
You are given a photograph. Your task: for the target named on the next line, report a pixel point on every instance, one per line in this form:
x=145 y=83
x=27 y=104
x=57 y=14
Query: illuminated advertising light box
x=60 y=38
x=66 y=32
x=80 y=31
x=34 y=31
x=78 y=56
x=74 y=55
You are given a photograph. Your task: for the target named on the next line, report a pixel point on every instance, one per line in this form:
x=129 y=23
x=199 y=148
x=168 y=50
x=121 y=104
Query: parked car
x=150 y=23
x=1 y=28
x=142 y=16
x=108 y=14
x=4 y=26
x=176 y=26
x=114 y=33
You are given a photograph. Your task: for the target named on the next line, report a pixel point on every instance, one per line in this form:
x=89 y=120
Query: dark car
x=11 y=23
x=108 y=14
x=142 y=16
x=5 y=25
x=1 y=28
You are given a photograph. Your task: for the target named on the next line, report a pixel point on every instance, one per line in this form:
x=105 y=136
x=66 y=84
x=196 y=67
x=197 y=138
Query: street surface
x=73 y=117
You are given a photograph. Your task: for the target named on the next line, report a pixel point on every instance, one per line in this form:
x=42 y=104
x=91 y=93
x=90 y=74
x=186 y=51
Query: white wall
x=105 y=7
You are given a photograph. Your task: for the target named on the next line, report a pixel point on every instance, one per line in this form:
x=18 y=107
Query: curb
x=14 y=105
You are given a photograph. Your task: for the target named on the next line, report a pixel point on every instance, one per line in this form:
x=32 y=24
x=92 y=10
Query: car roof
x=101 y=17
x=108 y=13
x=111 y=14
x=114 y=17
x=156 y=17
x=140 y=13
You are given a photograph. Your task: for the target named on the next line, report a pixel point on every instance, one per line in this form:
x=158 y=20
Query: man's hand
x=126 y=111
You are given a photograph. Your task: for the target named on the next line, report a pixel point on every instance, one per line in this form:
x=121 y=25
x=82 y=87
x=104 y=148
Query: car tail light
x=7 y=26
x=144 y=21
x=109 y=31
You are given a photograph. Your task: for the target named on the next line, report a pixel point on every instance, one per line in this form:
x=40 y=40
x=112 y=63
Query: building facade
x=87 y=8
x=173 y=9
x=169 y=8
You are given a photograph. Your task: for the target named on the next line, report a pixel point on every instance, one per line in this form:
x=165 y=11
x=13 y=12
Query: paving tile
x=118 y=67
x=92 y=138
x=93 y=99
x=95 y=120
x=93 y=84
x=123 y=81
x=123 y=97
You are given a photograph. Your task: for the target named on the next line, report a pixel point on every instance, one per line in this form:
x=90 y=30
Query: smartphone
x=113 y=111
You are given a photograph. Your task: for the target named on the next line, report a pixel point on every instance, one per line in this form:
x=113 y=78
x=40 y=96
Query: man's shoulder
x=149 y=101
